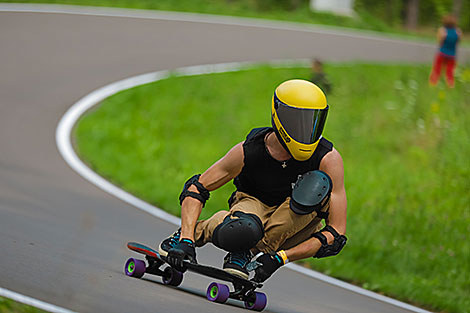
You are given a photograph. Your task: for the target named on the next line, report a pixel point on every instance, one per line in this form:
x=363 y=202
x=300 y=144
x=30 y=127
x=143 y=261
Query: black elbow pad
x=203 y=194
x=326 y=249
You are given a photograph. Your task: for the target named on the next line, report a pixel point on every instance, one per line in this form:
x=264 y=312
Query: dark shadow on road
x=202 y=294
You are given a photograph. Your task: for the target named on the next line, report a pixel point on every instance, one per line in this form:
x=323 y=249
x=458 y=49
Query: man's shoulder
x=325 y=143
x=332 y=159
x=257 y=131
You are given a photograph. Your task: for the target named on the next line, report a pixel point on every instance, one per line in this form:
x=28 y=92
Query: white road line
x=32 y=302
x=63 y=140
x=65 y=146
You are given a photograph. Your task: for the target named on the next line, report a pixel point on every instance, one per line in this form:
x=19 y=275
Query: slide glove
x=270 y=263
x=184 y=250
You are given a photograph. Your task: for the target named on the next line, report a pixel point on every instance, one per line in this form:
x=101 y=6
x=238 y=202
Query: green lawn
x=405 y=147
x=10 y=306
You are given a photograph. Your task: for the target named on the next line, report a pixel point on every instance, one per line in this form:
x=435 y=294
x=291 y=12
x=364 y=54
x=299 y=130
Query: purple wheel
x=259 y=302
x=172 y=277
x=217 y=293
x=135 y=268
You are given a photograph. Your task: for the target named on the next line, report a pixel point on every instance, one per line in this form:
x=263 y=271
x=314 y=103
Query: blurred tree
x=295 y=4
x=457 y=8
x=464 y=21
x=389 y=11
x=291 y=5
x=394 y=9
x=412 y=13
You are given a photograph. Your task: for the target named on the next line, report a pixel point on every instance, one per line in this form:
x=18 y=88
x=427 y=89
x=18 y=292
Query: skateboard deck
x=244 y=289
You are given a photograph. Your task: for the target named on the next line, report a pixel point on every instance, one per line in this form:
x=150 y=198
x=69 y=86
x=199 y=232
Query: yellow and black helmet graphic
x=298 y=115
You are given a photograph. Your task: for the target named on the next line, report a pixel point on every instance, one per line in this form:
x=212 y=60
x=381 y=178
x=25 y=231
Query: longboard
x=244 y=289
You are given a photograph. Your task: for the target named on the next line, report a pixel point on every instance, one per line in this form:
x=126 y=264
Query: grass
x=10 y=306
x=249 y=8
x=405 y=147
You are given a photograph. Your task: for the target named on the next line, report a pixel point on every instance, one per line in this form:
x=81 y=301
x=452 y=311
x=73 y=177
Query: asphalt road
x=62 y=239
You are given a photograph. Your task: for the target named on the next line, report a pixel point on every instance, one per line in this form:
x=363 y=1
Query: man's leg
x=205 y=228
x=315 y=226
x=203 y=233
x=242 y=203
x=236 y=231
x=284 y=227
x=243 y=224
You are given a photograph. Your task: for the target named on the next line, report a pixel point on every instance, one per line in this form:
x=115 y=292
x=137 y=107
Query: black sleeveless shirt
x=264 y=177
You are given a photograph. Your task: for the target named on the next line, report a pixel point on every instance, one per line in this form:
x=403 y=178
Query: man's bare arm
x=332 y=164
x=221 y=172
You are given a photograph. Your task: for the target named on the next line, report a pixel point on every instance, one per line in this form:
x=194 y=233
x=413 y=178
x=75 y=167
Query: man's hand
x=270 y=263
x=184 y=250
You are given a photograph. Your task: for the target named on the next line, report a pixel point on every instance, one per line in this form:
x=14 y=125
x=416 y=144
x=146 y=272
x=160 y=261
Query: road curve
x=63 y=240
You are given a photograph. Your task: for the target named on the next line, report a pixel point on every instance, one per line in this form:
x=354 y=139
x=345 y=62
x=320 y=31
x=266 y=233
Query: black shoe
x=169 y=243
x=235 y=263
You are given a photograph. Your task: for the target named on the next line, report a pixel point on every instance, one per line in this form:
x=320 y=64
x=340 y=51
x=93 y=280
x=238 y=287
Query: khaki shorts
x=283 y=228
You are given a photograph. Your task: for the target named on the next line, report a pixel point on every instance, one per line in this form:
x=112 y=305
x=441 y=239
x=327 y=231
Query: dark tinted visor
x=303 y=125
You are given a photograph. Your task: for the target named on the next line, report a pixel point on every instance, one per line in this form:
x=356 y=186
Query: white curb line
x=33 y=302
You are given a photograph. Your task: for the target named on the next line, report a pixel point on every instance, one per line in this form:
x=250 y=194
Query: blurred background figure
x=319 y=77
x=447 y=37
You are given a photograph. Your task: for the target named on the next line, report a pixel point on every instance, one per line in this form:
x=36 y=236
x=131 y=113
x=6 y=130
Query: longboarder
x=288 y=180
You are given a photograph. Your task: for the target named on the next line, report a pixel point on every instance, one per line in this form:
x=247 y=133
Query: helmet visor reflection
x=303 y=125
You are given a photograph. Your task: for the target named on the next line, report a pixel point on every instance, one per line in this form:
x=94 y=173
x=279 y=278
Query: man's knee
x=204 y=228
x=237 y=232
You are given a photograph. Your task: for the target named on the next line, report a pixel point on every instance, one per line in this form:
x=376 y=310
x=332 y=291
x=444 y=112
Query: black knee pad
x=238 y=232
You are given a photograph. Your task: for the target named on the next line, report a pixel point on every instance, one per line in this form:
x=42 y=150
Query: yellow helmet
x=298 y=115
